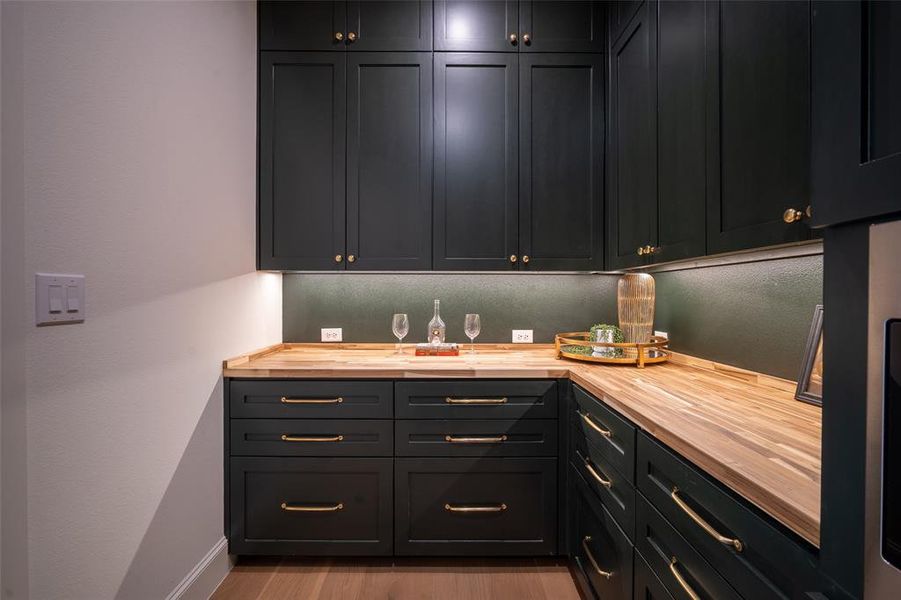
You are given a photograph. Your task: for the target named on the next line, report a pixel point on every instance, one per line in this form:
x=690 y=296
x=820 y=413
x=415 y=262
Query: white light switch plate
x=331 y=334
x=58 y=298
x=522 y=336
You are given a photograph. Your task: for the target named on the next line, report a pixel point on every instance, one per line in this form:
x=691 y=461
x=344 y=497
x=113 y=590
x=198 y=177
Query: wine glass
x=472 y=326
x=400 y=325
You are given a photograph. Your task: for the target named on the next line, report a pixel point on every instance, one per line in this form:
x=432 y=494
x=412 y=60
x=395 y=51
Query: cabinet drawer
x=769 y=565
x=600 y=550
x=493 y=437
x=679 y=566
x=476 y=507
x=613 y=436
x=311 y=399
x=509 y=399
x=311 y=437
x=610 y=488
x=647 y=585
x=310 y=506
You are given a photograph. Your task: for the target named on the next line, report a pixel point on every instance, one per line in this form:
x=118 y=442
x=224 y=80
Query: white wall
x=138 y=170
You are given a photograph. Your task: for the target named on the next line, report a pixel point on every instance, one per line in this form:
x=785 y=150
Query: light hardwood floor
x=273 y=578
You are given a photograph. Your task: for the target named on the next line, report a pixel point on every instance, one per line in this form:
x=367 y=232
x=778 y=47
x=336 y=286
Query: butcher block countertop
x=743 y=428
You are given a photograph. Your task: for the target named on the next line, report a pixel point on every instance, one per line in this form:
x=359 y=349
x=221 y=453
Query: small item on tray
x=444 y=349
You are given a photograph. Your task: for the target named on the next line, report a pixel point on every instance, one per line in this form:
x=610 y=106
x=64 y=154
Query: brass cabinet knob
x=512 y=258
x=351 y=37
x=339 y=36
x=641 y=251
x=351 y=258
x=525 y=258
x=338 y=258
x=651 y=249
x=526 y=39
x=513 y=38
x=793 y=215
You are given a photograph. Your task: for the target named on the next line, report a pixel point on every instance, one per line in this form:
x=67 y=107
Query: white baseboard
x=206 y=576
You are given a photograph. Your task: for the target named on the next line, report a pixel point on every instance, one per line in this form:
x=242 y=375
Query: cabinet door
x=619 y=14
x=681 y=131
x=475 y=161
x=561 y=163
x=632 y=188
x=759 y=115
x=476 y=25
x=560 y=26
x=400 y=25
x=302 y=25
x=301 y=160
x=389 y=160
x=856 y=110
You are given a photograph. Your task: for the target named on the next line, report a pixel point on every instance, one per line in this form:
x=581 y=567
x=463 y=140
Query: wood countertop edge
x=803 y=520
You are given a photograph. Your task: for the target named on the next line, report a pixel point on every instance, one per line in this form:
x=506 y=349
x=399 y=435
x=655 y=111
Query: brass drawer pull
x=450 y=400
x=734 y=542
x=302 y=438
x=594 y=563
x=604 y=482
x=475 y=440
x=311 y=508
x=287 y=400
x=675 y=571
x=469 y=509
x=590 y=422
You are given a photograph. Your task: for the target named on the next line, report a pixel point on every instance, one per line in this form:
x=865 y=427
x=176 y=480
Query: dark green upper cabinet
x=476 y=25
x=389 y=160
x=476 y=149
x=525 y=26
x=856 y=85
x=302 y=25
x=301 y=160
x=632 y=142
x=404 y=25
x=561 y=162
x=759 y=110
x=559 y=26
x=619 y=14
x=681 y=131
x=390 y=25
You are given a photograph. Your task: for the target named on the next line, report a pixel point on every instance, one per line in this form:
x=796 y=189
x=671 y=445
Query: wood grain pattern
x=743 y=428
x=398 y=579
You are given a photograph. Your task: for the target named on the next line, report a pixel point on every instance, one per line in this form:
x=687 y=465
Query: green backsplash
x=362 y=304
x=752 y=315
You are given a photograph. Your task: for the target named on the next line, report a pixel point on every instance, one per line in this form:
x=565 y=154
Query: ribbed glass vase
x=635 y=306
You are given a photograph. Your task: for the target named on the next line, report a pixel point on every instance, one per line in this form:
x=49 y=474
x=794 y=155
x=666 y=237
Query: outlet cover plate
x=661 y=334
x=331 y=334
x=522 y=336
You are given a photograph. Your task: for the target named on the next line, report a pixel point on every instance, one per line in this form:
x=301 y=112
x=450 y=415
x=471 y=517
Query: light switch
x=58 y=299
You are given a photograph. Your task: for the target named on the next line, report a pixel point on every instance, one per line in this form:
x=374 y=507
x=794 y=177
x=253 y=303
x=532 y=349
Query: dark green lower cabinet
x=475 y=507
x=647 y=585
x=600 y=551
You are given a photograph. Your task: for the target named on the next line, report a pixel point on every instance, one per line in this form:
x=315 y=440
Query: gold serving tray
x=650 y=353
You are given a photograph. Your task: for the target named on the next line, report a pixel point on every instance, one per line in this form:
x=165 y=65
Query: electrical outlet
x=522 y=336
x=331 y=334
x=661 y=334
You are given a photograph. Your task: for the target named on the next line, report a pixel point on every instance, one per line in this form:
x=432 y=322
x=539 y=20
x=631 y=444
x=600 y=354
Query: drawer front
x=612 y=434
x=310 y=506
x=600 y=550
x=682 y=570
x=476 y=507
x=311 y=437
x=647 y=585
x=614 y=492
x=506 y=399
x=769 y=565
x=492 y=437
x=311 y=399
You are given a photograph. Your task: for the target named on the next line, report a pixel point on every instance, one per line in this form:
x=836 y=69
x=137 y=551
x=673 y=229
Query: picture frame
x=810 y=381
